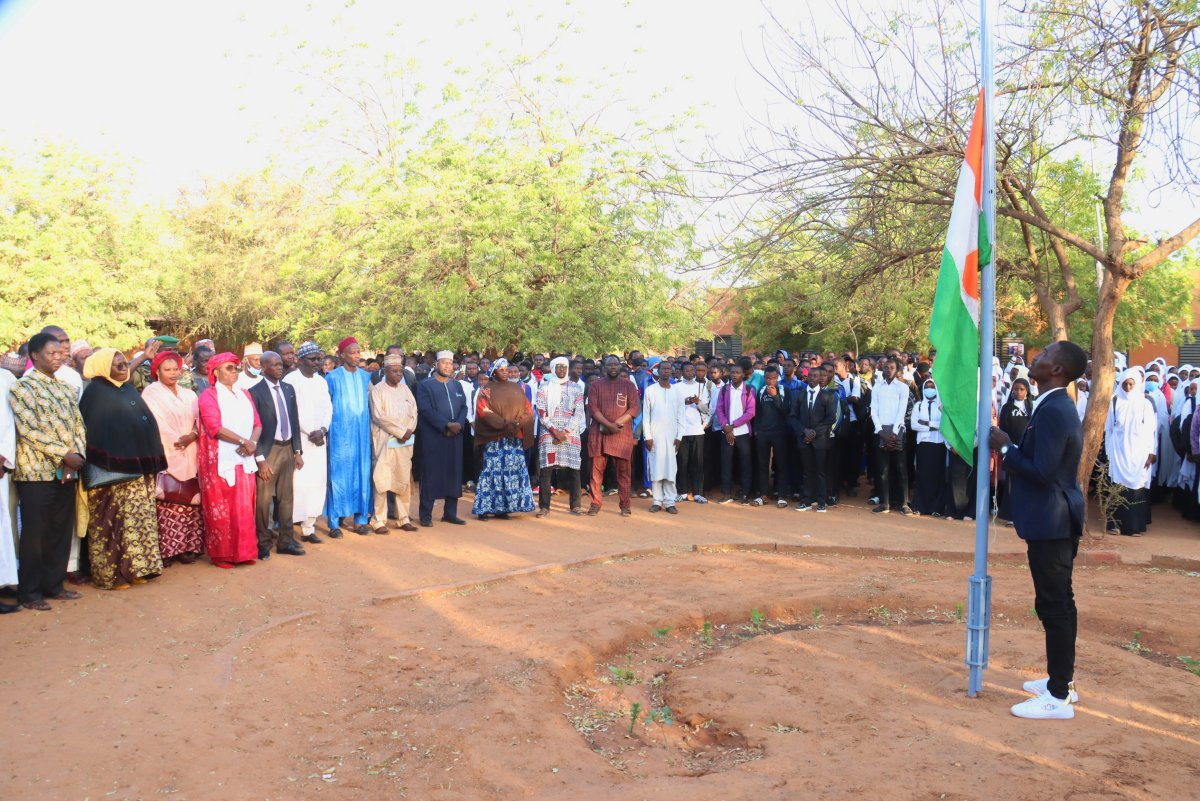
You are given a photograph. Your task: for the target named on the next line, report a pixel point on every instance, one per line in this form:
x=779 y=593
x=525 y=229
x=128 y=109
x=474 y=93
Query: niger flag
x=954 y=327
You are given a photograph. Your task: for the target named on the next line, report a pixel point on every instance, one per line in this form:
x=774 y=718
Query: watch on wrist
x=1004 y=449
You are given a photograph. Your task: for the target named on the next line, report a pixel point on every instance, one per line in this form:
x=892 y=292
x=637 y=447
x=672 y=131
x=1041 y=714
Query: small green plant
x=706 y=633
x=883 y=613
x=1135 y=644
x=662 y=716
x=958 y=612
x=635 y=711
x=757 y=619
x=623 y=674
x=1191 y=665
x=661 y=633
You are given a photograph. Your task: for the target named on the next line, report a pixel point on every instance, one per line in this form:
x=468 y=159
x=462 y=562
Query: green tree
x=74 y=250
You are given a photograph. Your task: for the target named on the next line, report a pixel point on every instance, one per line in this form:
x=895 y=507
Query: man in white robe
x=315 y=410
x=662 y=427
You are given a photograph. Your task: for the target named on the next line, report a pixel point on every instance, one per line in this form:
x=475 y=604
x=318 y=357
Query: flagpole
x=979 y=595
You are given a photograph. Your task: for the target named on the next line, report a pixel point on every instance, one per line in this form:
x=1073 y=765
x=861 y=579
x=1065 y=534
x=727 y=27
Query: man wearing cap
x=441 y=418
x=350 y=491
x=251 y=366
x=393 y=424
x=315 y=414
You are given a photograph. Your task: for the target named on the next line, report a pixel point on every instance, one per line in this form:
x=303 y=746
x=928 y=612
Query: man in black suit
x=278 y=457
x=1048 y=510
x=813 y=413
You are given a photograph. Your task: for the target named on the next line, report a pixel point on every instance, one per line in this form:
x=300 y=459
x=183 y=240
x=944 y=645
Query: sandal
x=221 y=564
x=66 y=595
x=593 y=511
x=120 y=587
x=38 y=606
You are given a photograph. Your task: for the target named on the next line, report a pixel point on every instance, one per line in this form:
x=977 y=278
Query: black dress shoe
x=6 y=609
x=290 y=550
x=264 y=553
x=427 y=523
x=335 y=533
x=457 y=521
x=313 y=538
x=8 y=592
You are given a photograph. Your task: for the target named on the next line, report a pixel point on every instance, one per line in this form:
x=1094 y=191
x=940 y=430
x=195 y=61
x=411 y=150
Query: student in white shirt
x=889 y=410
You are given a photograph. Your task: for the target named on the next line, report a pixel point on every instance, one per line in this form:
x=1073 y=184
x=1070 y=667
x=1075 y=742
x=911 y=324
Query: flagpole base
x=979 y=615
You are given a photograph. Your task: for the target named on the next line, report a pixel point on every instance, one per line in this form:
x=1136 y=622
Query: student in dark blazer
x=1048 y=510
x=812 y=417
x=279 y=456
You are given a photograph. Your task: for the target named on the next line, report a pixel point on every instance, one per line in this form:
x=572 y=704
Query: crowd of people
x=125 y=465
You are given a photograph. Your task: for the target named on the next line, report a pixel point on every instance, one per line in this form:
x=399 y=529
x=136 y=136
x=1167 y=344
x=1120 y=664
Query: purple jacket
x=748 y=406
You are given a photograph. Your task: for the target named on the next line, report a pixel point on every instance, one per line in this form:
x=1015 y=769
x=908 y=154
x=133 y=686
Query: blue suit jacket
x=1047 y=502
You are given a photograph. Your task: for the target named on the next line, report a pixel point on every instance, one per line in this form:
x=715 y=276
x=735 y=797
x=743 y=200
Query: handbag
x=169 y=489
x=96 y=477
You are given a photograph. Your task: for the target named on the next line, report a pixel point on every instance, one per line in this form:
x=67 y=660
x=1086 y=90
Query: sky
x=187 y=91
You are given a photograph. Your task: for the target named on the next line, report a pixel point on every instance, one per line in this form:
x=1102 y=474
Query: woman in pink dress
x=229 y=431
x=180 y=522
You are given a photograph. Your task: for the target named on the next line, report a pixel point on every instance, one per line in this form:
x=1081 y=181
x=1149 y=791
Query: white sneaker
x=700 y=499
x=1044 y=707
x=1038 y=687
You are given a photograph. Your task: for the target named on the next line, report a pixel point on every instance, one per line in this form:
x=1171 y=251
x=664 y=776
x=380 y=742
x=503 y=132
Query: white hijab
x=1131 y=432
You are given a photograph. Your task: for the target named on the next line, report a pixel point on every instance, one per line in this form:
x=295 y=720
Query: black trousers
x=565 y=476
x=425 y=508
x=689 y=478
x=47 y=525
x=1050 y=564
x=960 y=481
x=814 y=460
x=714 y=441
x=779 y=444
x=741 y=450
x=850 y=452
x=893 y=466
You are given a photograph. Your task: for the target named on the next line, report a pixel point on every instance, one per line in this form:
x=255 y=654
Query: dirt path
x=325 y=677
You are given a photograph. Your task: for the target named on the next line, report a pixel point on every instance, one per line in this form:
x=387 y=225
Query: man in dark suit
x=1048 y=510
x=279 y=456
x=814 y=411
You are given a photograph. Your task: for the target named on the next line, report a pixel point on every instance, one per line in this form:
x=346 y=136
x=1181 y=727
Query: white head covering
x=496 y=365
x=445 y=354
x=554 y=384
x=1177 y=402
x=1120 y=360
x=253 y=349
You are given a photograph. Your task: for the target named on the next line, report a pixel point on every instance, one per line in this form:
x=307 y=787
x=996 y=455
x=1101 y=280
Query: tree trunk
x=1103 y=373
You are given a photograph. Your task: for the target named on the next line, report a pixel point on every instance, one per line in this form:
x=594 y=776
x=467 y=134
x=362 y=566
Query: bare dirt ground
x=502 y=661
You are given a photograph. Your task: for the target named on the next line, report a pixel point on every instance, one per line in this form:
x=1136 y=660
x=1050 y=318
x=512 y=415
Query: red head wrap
x=345 y=343
x=217 y=361
x=164 y=356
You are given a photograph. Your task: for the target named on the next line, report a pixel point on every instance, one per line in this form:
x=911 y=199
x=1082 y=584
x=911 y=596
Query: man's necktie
x=285 y=430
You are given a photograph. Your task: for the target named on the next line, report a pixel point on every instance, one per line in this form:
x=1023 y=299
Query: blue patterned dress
x=503 y=485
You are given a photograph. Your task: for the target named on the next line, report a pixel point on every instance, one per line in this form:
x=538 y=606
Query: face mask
x=254 y=371
x=1151 y=386
x=929 y=392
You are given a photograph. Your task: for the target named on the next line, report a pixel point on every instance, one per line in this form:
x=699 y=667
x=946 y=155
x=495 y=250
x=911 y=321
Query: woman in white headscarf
x=1131 y=443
